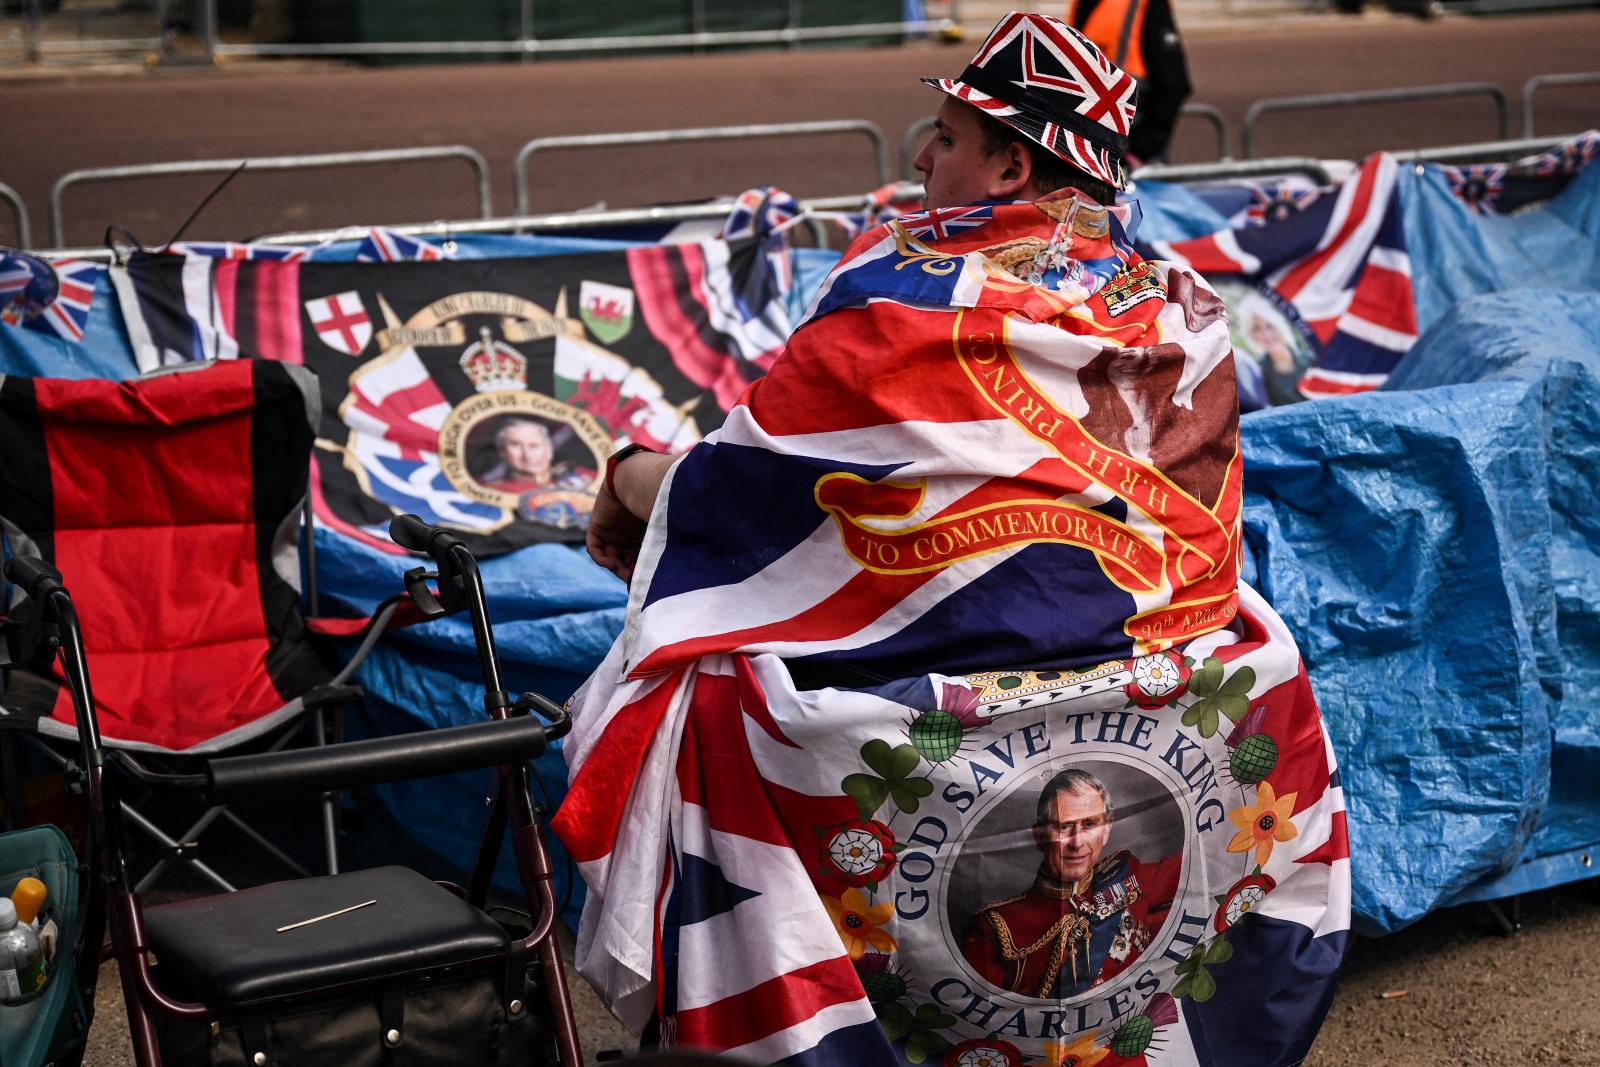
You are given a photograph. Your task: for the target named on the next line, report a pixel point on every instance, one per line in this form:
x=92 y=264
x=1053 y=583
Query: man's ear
x=1016 y=173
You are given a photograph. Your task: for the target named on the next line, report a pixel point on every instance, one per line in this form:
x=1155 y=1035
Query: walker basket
x=47 y=1026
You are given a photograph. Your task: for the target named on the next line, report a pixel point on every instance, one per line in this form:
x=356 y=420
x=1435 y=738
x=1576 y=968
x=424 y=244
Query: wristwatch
x=617 y=457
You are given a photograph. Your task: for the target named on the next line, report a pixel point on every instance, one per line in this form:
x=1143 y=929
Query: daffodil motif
x=1081 y=1053
x=1158 y=680
x=1264 y=822
x=860 y=850
x=859 y=923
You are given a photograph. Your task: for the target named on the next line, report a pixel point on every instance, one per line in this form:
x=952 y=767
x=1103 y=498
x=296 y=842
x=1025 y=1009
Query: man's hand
x=622 y=509
x=614 y=535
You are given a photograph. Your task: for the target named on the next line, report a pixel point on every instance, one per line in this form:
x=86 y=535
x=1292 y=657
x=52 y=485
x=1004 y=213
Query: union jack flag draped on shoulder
x=965 y=746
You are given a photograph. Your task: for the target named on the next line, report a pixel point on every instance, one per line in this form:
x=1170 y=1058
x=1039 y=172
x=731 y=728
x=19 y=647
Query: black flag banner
x=483 y=395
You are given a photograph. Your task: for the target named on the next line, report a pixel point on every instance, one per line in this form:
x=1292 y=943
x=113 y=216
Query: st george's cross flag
x=340 y=321
x=966 y=746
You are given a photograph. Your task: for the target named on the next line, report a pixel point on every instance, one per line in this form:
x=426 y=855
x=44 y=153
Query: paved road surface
x=262 y=109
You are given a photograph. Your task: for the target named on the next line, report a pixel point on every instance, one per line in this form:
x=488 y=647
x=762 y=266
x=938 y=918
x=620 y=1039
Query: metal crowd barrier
x=564 y=221
x=1218 y=120
x=558 y=222
x=260 y=163
x=1487 y=152
x=1234 y=168
x=1375 y=96
x=911 y=141
x=528 y=45
x=1532 y=85
x=704 y=133
x=9 y=195
x=30 y=35
x=554 y=222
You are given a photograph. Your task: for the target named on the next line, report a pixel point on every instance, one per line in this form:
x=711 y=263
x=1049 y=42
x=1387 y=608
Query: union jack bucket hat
x=1048 y=82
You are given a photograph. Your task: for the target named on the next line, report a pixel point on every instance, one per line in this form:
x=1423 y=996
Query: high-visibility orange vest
x=1115 y=27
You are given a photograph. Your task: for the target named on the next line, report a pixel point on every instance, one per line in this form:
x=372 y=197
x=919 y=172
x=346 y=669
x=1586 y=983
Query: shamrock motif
x=921 y=1029
x=1219 y=696
x=1196 y=982
x=892 y=766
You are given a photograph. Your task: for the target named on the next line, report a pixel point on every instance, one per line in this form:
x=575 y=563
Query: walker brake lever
x=423 y=597
x=548 y=709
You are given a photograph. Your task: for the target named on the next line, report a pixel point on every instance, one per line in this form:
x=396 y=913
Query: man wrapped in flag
x=941 y=729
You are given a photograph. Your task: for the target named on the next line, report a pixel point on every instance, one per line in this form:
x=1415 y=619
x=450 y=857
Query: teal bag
x=46 y=1026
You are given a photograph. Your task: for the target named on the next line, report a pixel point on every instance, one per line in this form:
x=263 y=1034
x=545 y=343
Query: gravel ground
x=1453 y=990
x=1450 y=990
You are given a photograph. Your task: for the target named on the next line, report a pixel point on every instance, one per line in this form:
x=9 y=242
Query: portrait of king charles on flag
x=1088 y=912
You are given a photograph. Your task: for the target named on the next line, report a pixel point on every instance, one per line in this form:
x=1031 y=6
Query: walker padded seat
x=226 y=950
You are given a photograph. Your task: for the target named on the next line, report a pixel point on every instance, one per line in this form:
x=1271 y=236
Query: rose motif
x=861 y=851
x=1158 y=680
x=983 y=1052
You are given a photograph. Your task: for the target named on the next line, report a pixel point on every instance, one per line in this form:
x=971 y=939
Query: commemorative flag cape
x=968 y=552
x=483 y=395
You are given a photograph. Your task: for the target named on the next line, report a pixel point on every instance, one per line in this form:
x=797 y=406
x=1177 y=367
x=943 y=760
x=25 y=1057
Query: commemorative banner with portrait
x=482 y=395
x=969 y=747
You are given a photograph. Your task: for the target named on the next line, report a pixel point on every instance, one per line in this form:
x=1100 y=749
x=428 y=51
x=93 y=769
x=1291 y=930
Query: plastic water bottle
x=28 y=898
x=21 y=959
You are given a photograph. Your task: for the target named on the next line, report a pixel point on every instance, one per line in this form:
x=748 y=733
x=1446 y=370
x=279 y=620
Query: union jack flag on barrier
x=965 y=747
x=1509 y=188
x=1328 y=288
x=68 y=315
x=14 y=277
x=240 y=250
x=382 y=245
x=1478 y=186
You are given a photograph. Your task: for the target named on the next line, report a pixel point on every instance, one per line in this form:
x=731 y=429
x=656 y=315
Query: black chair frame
x=510 y=738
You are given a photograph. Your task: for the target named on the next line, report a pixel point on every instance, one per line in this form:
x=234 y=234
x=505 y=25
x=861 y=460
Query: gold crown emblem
x=494 y=365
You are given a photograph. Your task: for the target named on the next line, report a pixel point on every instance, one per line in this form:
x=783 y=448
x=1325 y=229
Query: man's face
x=1073 y=834
x=956 y=170
x=526 y=449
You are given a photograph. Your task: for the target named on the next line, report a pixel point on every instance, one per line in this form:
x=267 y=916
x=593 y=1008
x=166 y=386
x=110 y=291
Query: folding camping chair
x=172 y=503
x=376 y=966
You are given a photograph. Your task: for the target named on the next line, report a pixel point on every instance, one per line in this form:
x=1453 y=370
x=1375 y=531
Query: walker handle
x=36 y=577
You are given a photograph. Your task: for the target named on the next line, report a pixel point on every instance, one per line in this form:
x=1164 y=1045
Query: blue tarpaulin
x=1433 y=547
